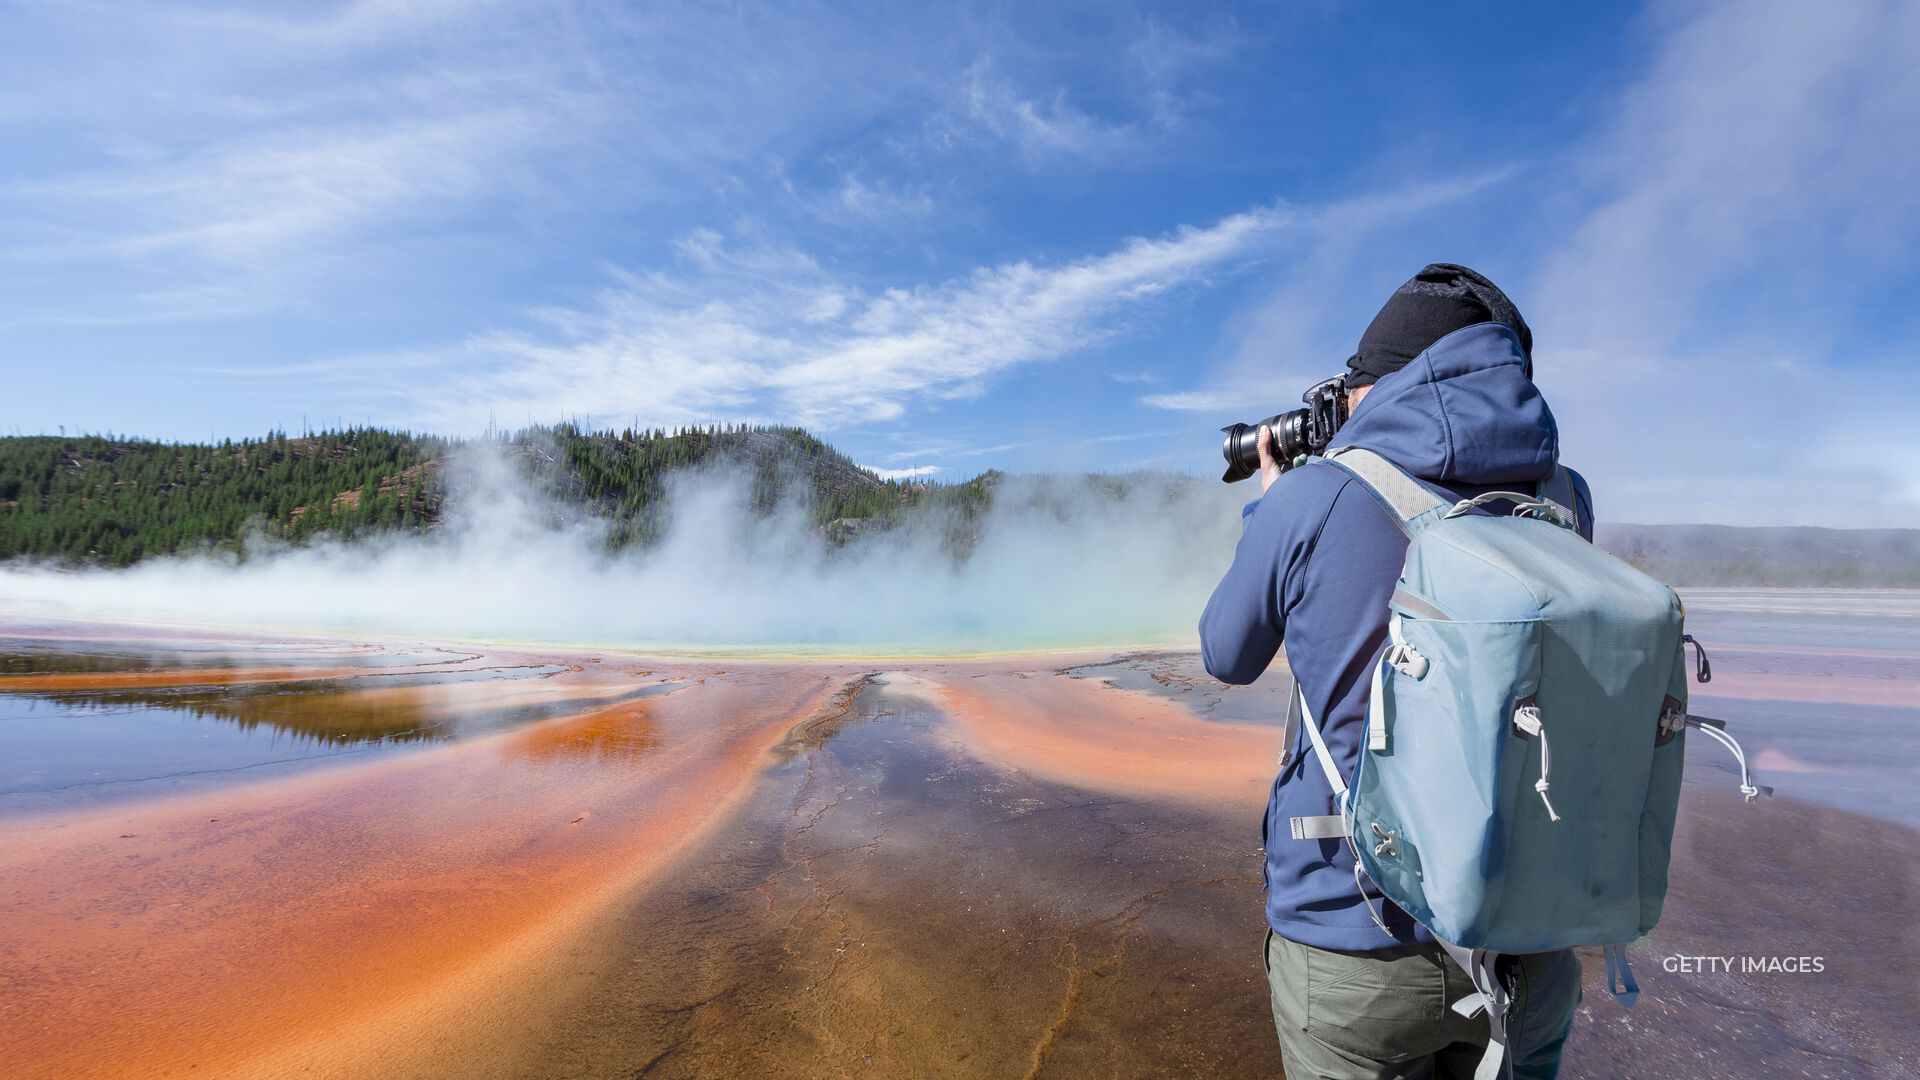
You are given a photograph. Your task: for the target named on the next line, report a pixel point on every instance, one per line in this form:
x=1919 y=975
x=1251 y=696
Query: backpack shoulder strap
x=1405 y=499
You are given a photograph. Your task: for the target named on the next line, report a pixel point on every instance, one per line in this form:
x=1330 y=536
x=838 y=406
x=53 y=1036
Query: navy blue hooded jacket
x=1315 y=567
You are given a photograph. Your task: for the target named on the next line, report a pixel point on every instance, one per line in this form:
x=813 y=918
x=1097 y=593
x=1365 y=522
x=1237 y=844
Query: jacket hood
x=1464 y=411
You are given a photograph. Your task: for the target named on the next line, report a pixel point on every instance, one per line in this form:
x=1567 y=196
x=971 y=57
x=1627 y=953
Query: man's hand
x=1270 y=469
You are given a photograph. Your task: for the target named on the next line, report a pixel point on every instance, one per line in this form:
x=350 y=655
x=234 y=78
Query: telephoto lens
x=1296 y=434
x=1242 y=445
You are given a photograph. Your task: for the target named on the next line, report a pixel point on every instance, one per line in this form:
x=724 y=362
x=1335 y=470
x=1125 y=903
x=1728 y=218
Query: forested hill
x=94 y=500
x=102 y=500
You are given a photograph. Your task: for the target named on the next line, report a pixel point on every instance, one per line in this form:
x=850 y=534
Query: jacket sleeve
x=1246 y=618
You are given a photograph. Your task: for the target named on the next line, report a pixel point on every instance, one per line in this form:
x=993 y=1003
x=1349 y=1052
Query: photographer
x=1442 y=387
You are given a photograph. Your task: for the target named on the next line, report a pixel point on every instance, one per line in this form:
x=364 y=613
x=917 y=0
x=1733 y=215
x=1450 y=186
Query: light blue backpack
x=1525 y=735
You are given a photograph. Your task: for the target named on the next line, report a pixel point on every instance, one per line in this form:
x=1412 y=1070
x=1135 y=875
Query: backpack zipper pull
x=1703 y=671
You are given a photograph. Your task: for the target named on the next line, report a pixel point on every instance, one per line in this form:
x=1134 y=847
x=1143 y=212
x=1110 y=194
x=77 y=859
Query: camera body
x=1296 y=435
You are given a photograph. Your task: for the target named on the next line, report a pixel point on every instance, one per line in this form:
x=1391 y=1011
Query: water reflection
x=77 y=743
x=357 y=709
x=65 y=657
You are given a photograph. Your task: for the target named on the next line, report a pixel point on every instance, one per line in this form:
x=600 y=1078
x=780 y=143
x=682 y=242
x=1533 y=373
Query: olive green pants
x=1386 y=1013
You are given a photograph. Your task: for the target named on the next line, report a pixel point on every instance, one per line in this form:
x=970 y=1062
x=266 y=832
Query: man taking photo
x=1441 y=386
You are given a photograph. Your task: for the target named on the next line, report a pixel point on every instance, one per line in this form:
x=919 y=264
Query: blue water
x=57 y=754
x=65 y=749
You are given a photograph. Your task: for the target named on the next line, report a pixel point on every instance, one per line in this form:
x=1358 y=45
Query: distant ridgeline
x=102 y=500
x=1707 y=555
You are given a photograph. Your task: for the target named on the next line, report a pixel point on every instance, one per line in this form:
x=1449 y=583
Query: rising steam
x=1056 y=561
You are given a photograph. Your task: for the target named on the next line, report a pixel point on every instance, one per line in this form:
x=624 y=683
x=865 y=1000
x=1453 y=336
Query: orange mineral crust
x=1088 y=734
x=524 y=862
x=291 y=924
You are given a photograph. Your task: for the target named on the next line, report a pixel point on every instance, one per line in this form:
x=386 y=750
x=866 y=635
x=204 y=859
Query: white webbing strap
x=1402 y=495
x=1334 y=826
x=1377 y=708
x=1290 y=730
x=1320 y=751
x=1403 y=658
x=1492 y=995
x=1325 y=826
x=1620 y=981
x=1415 y=604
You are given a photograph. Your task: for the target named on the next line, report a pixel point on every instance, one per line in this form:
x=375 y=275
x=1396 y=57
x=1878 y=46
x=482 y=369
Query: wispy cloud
x=196 y=162
x=1212 y=401
x=1150 y=94
x=210 y=163
x=249 y=198
x=1301 y=331
x=761 y=332
x=1169 y=58
x=850 y=197
x=902 y=474
x=1744 y=199
x=1045 y=126
x=1766 y=142
x=945 y=449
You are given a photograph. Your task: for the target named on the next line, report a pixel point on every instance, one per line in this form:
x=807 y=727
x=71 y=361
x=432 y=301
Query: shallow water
x=263 y=858
x=1822 y=689
x=132 y=720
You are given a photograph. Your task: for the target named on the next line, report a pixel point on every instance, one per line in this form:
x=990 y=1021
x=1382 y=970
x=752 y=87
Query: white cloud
x=760 y=333
x=875 y=200
x=1303 y=330
x=1150 y=71
x=179 y=161
x=195 y=161
x=1744 y=198
x=1773 y=136
x=1224 y=399
x=1044 y=127
x=851 y=197
x=256 y=197
x=902 y=474
x=949 y=448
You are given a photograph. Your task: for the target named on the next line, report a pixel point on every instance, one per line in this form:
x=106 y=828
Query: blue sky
x=948 y=237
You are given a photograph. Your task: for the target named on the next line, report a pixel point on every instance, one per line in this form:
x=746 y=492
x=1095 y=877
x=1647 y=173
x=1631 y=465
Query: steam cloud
x=1058 y=561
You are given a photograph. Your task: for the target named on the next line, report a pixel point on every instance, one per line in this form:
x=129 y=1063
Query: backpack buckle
x=1407 y=661
x=1386 y=847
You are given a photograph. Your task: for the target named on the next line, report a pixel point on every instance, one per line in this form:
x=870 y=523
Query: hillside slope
x=101 y=500
x=1706 y=555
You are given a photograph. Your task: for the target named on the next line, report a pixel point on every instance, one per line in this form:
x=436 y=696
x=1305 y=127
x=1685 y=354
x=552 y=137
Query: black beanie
x=1438 y=300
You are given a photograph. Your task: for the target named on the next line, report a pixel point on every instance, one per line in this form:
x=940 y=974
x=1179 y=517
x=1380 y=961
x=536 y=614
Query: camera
x=1296 y=434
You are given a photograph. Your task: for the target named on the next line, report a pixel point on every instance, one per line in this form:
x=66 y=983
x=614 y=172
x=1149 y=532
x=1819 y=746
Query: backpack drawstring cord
x=1540 y=785
x=1527 y=720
